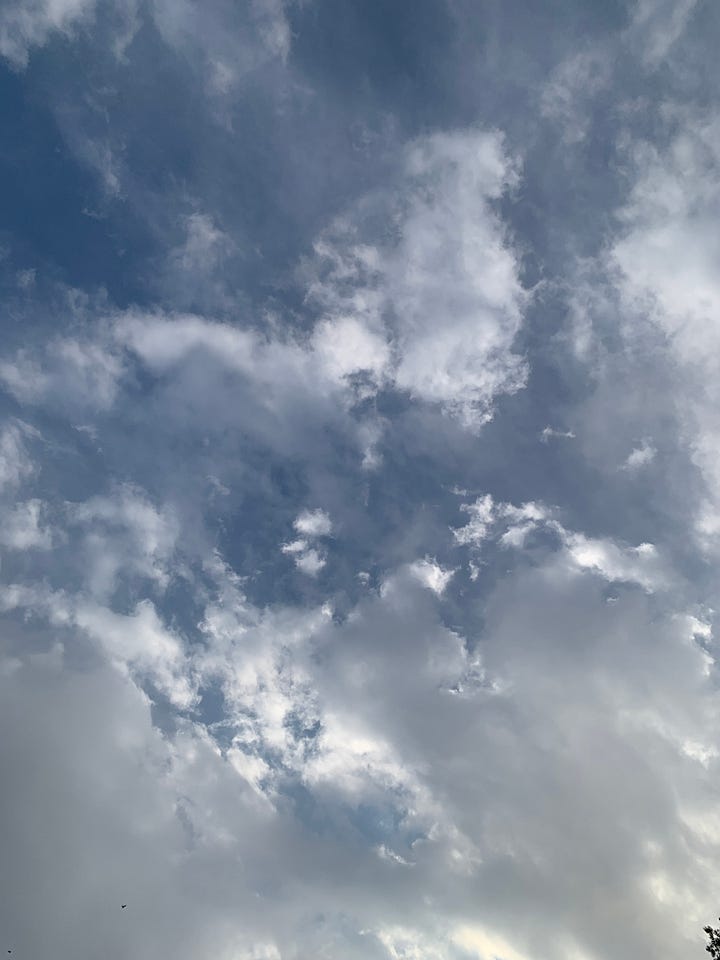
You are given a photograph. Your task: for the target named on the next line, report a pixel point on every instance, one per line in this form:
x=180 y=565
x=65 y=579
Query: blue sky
x=359 y=478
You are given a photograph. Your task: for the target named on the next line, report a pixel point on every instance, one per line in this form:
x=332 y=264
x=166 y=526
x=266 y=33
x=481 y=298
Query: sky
x=359 y=479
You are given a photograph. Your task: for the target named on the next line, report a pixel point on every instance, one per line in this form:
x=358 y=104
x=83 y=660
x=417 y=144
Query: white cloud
x=124 y=531
x=640 y=456
x=482 y=515
x=281 y=388
x=483 y=944
x=433 y=313
x=72 y=373
x=137 y=644
x=549 y=433
x=510 y=526
x=346 y=347
x=359 y=715
x=281 y=365
x=614 y=562
x=15 y=462
x=313 y=523
x=404 y=943
x=205 y=245
x=567 y=96
x=310 y=561
x=307 y=559
x=295 y=546
x=446 y=287
x=225 y=42
x=487 y=518
x=656 y=25
x=431 y=575
x=25 y=24
x=21 y=527
x=140 y=643
x=129 y=809
x=662 y=262
x=273 y=25
x=258 y=30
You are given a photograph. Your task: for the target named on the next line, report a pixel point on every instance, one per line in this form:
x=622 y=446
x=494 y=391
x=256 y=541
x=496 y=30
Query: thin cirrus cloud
x=357 y=541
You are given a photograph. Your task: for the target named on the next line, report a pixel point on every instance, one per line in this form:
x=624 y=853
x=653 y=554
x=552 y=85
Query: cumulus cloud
x=279 y=365
x=123 y=531
x=639 y=564
x=307 y=558
x=510 y=526
x=346 y=347
x=77 y=373
x=107 y=738
x=435 y=314
x=445 y=289
x=431 y=575
x=661 y=263
x=137 y=643
x=361 y=714
x=313 y=523
x=486 y=518
x=143 y=644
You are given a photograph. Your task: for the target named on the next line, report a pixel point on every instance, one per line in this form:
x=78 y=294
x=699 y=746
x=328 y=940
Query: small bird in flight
x=122 y=906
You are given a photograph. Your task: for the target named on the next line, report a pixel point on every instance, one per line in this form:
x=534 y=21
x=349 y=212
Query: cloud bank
x=358 y=481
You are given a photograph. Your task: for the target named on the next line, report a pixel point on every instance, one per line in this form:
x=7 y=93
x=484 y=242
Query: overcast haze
x=359 y=479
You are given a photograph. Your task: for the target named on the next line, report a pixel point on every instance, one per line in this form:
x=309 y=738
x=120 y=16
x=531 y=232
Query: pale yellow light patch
x=484 y=944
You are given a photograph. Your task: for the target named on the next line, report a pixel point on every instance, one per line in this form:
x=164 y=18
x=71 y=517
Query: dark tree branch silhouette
x=713 y=947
